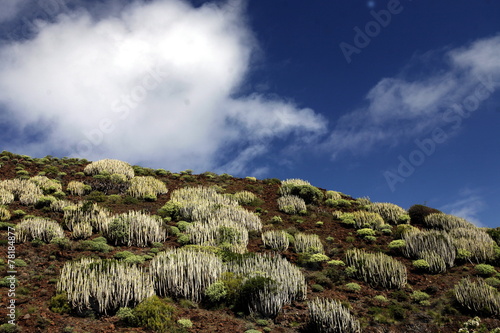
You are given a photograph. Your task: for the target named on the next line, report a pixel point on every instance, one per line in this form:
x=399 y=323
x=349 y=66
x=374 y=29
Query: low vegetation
x=107 y=246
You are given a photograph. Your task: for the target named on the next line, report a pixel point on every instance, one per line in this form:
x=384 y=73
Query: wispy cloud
x=468 y=205
x=403 y=107
x=153 y=81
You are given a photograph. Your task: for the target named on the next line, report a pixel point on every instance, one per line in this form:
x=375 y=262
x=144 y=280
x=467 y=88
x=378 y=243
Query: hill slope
x=392 y=270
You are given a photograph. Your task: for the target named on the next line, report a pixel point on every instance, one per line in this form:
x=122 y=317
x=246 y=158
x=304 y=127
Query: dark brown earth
x=37 y=281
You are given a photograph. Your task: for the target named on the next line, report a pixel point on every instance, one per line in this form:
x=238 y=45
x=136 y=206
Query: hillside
x=256 y=255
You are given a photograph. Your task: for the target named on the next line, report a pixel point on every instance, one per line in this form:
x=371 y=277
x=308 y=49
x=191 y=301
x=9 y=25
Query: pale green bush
x=227 y=234
x=4 y=214
x=478 y=296
x=291 y=204
x=185 y=273
x=245 y=197
x=276 y=239
x=364 y=219
x=309 y=243
x=287 y=282
x=388 y=211
x=377 y=269
x=136 y=229
x=6 y=197
x=146 y=186
x=110 y=167
x=38 y=228
x=77 y=188
x=46 y=184
x=26 y=191
x=446 y=222
x=333 y=195
x=330 y=316
x=352 y=286
x=418 y=242
x=475 y=241
x=103 y=286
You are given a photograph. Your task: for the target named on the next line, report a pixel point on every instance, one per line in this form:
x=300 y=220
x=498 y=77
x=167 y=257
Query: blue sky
x=395 y=100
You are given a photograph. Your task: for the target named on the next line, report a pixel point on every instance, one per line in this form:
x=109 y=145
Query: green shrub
x=184 y=322
x=96 y=196
x=302 y=189
x=59 y=304
x=333 y=195
x=262 y=322
x=182 y=225
x=463 y=254
x=402 y=229
x=370 y=238
x=6 y=225
x=366 y=232
x=19 y=212
x=353 y=287
x=155 y=314
x=317 y=257
x=486 y=270
x=183 y=239
x=94 y=245
x=20 y=263
x=62 y=242
x=276 y=219
x=9 y=328
x=418 y=296
x=340 y=203
x=6 y=281
x=216 y=292
x=492 y=281
x=22 y=173
x=317 y=288
x=171 y=209
x=127 y=315
x=123 y=255
x=381 y=299
x=421 y=264
x=45 y=201
x=397 y=244
x=336 y=263
x=403 y=219
x=494 y=234
x=114 y=199
x=130 y=200
x=386 y=230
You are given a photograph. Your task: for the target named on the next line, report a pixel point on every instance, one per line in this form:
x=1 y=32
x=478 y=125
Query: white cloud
x=401 y=108
x=468 y=206
x=147 y=83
